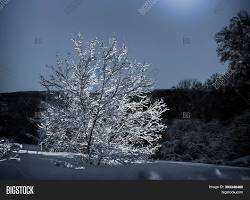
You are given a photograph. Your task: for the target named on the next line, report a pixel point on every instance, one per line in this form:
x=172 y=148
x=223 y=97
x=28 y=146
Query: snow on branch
x=101 y=106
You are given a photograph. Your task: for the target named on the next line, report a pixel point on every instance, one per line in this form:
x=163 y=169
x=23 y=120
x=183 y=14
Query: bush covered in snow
x=209 y=142
x=7 y=149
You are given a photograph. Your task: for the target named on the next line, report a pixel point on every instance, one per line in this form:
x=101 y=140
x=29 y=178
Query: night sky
x=176 y=36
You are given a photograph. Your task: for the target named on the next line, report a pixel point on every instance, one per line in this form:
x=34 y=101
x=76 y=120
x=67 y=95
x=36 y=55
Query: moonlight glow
x=184 y=7
x=182 y=3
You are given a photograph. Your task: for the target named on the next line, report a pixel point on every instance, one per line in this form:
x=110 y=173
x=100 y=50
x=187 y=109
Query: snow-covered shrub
x=208 y=142
x=238 y=136
x=194 y=140
x=101 y=106
x=7 y=149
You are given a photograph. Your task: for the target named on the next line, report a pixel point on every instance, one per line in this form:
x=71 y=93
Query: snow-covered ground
x=34 y=164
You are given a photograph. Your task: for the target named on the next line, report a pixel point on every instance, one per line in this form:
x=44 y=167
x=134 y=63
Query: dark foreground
x=35 y=166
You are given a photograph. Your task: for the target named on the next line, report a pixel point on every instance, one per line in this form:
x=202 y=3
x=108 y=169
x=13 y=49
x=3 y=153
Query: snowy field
x=36 y=165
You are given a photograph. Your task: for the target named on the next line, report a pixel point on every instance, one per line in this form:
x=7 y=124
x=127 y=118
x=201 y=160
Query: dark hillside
x=215 y=130
x=202 y=104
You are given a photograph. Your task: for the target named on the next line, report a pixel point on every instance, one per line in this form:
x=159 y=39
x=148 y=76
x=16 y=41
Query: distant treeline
x=20 y=110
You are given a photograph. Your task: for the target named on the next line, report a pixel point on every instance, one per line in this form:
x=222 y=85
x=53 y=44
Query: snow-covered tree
x=233 y=49
x=101 y=105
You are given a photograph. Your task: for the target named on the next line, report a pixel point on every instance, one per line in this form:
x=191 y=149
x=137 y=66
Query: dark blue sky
x=176 y=36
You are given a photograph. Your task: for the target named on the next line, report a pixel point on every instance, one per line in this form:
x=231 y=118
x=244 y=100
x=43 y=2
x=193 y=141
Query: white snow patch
x=80 y=168
x=218 y=172
x=60 y=154
x=154 y=176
